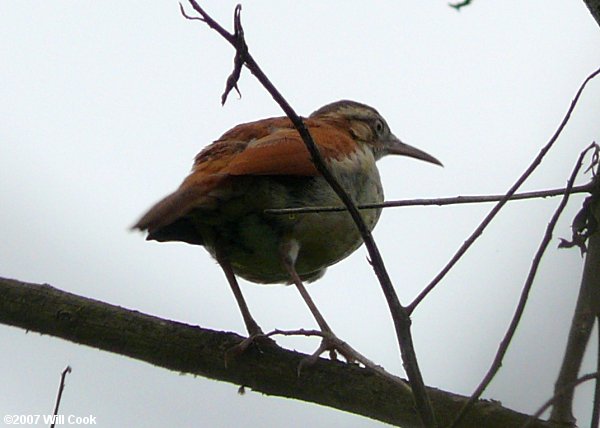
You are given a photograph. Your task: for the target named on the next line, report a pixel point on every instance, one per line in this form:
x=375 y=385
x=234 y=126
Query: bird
x=264 y=165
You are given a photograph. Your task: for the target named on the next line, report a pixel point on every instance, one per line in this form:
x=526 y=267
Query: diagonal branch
x=399 y=314
x=594 y=7
x=504 y=344
x=190 y=349
x=567 y=389
x=488 y=219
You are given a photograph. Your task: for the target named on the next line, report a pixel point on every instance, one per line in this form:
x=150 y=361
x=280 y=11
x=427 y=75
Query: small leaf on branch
x=460 y=5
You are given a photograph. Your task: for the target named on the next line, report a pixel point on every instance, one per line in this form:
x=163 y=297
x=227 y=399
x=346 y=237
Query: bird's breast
x=328 y=237
x=253 y=239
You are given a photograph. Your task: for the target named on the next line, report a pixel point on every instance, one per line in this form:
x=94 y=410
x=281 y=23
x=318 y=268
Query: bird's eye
x=379 y=127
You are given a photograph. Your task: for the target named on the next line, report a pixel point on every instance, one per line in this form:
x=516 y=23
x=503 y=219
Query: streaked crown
x=367 y=126
x=348 y=109
x=363 y=122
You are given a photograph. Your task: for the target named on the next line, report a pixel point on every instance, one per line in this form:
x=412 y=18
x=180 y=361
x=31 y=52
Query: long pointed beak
x=397 y=147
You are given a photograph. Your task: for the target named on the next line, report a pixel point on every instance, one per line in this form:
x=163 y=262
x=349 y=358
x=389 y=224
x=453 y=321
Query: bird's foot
x=259 y=340
x=332 y=344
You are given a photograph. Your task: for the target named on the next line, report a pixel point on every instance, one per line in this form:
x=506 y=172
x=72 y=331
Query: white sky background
x=104 y=104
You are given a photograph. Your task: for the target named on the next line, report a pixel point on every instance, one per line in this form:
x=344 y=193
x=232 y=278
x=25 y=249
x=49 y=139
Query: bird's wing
x=266 y=147
x=176 y=205
x=283 y=152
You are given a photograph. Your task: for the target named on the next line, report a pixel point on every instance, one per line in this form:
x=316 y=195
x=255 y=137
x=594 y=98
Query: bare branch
x=579 y=335
x=488 y=219
x=586 y=310
x=61 y=387
x=596 y=406
x=210 y=22
x=186 y=16
x=586 y=188
x=567 y=389
x=269 y=370
x=399 y=314
x=504 y=344
x=594 y=7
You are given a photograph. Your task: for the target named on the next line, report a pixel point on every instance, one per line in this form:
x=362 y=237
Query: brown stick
x=455 y=200
x=504 y=344
x=488 y=219
x=567 y=389
x=586 y=310
x=61 y=388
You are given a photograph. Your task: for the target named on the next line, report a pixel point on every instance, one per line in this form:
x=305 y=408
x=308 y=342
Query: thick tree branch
x=194 y=350
x=579 y=336
x=586 y=310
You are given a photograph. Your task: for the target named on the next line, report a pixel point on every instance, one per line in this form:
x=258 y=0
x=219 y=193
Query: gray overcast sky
x=104 y=104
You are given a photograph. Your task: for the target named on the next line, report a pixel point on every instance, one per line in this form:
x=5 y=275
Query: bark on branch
x=594 y=7
x=194 y=350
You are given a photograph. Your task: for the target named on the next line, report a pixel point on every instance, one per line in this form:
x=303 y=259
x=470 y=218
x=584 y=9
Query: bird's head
x=367 y=125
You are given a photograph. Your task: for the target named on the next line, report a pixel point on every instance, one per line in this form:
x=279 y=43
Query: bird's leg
x=289 y=255
x=251 y=325
x=304 y=293
x=254 y=331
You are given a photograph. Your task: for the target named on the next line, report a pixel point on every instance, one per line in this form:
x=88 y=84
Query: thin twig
x=61 y=387
x=504 y=344
x=567 y=388
x=487 y=220
x=209 y=21
x=586 y=188
x=398 y=312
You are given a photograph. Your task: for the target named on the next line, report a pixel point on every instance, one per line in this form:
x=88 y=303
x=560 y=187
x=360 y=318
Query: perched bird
x=265 y=165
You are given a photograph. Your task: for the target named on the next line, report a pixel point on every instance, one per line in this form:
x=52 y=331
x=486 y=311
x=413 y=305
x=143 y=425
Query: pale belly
x=252 y=241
